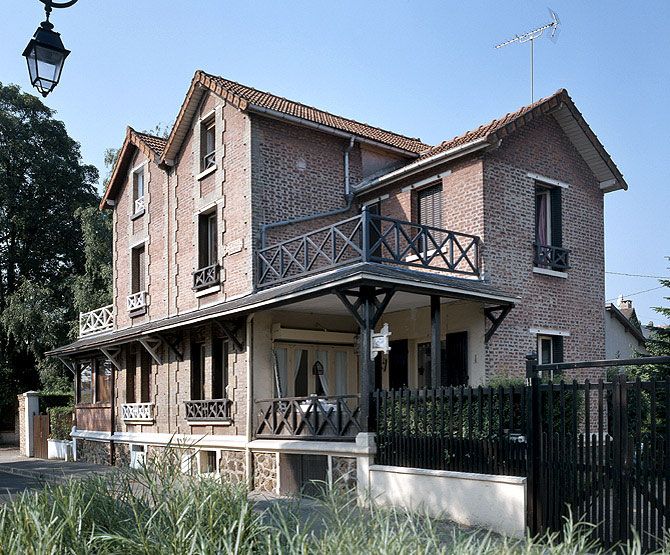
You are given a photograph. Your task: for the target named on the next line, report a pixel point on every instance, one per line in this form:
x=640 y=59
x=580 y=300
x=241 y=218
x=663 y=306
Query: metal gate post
x=534 y=508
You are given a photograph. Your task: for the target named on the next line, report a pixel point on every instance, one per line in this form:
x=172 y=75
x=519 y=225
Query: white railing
x=136 y=301
x=139 y=205
x=138 y=412
x=96 y=321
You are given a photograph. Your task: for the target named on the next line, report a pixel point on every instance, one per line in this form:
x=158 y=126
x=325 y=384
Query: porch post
x=366 y=380
x=435 y=341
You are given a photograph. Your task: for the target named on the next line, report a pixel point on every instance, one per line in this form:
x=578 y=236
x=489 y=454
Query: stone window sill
x=205 y=173
x=548 y=272
x=137 y=215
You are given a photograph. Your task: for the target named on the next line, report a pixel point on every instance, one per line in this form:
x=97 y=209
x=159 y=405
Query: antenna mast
x=530 y=36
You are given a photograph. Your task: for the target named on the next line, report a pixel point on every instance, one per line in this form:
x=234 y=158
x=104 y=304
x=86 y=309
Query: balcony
x=137 y=412
x=312 y=417
x=96 y=321
x=136 y=303
x=207 y=277
x=551 y=258
x=208 y=410
x=368 y=238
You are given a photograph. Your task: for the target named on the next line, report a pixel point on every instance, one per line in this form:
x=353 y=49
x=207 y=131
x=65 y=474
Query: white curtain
x=341 y=373
x=281 y=371
x=322 y=357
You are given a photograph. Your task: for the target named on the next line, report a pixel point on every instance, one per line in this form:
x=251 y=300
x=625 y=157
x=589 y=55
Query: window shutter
x=557 y=341
x=556 y=218
x=430 y=206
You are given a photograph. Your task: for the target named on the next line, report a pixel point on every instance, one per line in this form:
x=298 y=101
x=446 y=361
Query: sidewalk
x=13 y=462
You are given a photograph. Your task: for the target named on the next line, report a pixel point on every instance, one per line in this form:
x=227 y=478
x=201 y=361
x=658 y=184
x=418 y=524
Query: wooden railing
x=312 y=417
x=206 y=277
x=136 y=301
x=552 y=258
x=368 y=238
x=210 y=410
x=96 y=321
x=137 y=412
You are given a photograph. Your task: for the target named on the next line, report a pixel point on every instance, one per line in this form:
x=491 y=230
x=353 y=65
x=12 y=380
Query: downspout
x=348 y=197
x=250 y=402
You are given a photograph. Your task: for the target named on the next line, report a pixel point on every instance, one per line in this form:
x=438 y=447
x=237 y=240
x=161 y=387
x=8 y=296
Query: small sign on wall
x=380 y=342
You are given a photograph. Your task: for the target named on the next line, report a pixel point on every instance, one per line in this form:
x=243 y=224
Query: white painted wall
x=496 y=503
x=619 y=342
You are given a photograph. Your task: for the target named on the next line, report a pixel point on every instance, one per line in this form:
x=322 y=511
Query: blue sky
x=426 y=69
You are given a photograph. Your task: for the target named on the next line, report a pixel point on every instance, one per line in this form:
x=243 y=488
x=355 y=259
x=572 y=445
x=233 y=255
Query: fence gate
x=40 y=436
x=603 y=450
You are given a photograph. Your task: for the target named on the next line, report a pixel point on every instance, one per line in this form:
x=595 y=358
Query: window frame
x=138 y=268
x=207 y=156
x=543 y=191
x=138 y=179
x=208 y=244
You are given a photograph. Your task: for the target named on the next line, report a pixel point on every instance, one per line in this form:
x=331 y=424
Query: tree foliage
x=46 y=194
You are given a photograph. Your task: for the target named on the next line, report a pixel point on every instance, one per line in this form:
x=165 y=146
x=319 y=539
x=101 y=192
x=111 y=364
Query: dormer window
x=208 y=145
x=138 y=192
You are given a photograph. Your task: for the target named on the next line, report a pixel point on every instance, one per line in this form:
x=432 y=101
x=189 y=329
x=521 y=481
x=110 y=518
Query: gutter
x=421 y=165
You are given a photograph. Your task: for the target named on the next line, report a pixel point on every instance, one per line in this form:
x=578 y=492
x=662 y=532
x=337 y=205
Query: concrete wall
x=496 y=503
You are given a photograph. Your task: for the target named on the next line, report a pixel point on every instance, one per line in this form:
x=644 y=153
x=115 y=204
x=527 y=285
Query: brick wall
x=575 y=304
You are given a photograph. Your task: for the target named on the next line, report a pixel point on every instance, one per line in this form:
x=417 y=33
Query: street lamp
x=45 y=52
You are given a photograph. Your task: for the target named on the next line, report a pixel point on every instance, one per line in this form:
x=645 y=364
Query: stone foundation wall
x=344 y=472
x=232 y=466
x=122 y=455
x=96 y=452
x=265 y=472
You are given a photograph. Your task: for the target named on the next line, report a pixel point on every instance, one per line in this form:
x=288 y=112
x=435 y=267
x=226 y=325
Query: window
x=138 y=269
x=207 y=462
x=549 y=251
x=145 y=376
x=138 y=191
x=429 y=213
x=131 y=370
x=197 y=371
x=550 y=349
x=103 y=381
x=208 y=145
x=207 y=244
x=220 y=369
x=84 y=382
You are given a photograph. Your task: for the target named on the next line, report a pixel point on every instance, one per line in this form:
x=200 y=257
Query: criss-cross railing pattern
x=96 y=321
x=139 y=205
x=137 y=412
x=136 y=301
x=208 y=410
x=310 y=417
x=554 y=258
x=206 y=277
x=368 y=238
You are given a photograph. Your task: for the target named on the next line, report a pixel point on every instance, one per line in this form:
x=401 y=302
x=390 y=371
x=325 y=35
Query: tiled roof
x=494 y=126
x=282 y=105
x=157 y=144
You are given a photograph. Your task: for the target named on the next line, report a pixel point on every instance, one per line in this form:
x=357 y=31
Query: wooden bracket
x=230 y=330
x=355 y=302
x=69 y=364
x=495 y=315
x=113 y=354
x=152 y=345
x=173 y=341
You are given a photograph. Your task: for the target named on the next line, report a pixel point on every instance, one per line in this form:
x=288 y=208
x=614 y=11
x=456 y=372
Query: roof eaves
x=625 y=322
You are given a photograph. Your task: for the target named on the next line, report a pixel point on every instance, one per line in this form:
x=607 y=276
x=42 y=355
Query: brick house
x=259 y=248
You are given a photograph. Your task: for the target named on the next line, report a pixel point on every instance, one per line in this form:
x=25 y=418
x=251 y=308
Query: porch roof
x=403 y=279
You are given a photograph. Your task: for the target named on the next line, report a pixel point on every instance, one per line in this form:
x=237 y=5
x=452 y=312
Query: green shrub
x=60 y=422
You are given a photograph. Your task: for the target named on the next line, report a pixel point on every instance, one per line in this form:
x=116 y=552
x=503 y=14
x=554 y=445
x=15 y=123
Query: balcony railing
x=136 y=301
x=139 y=205
x=210 y=410
x=552 y=258
x=96 y=321
x=137 y=412
x=206 y=277
x=368 y=238
x=310 y=417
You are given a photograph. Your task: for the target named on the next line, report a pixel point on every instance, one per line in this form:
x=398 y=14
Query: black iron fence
x=368 y=238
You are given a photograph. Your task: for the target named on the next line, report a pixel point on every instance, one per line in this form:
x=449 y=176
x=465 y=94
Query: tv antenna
x=531 y=36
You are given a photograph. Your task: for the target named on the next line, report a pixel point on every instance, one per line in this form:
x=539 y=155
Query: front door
x=455 y=359
x=398 y=374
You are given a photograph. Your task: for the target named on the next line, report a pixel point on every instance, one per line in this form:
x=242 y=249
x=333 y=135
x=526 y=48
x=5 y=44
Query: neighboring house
x=624 y=337
x=260 y=245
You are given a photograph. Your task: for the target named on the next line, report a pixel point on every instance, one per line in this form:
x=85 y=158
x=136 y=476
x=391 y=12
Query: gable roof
x=625 y=321
x=150 y=145
x=559 y=105
x=248 y=98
